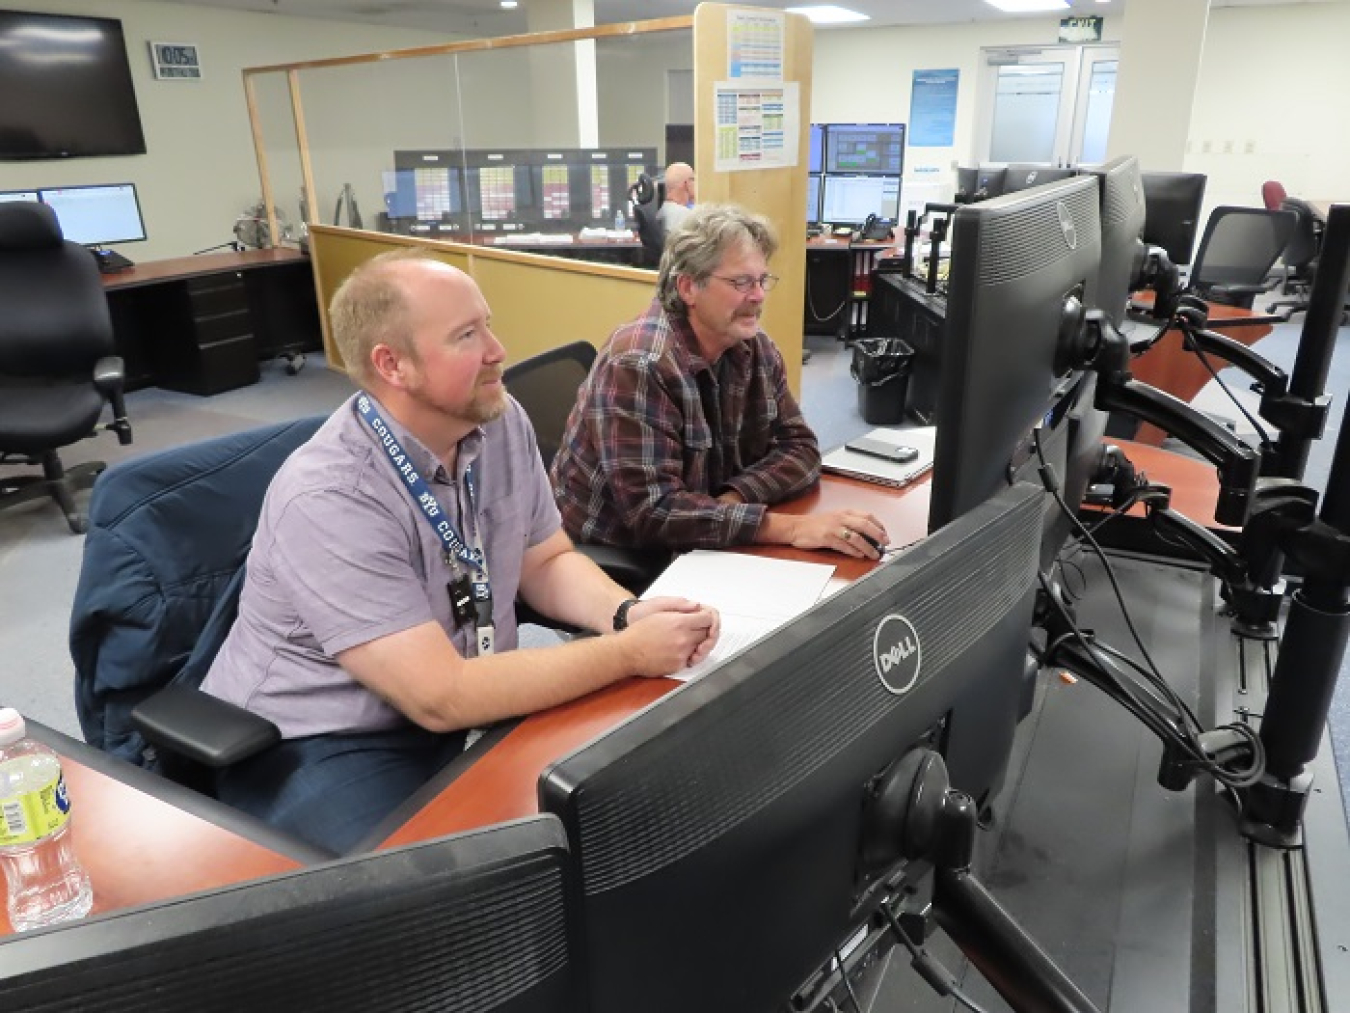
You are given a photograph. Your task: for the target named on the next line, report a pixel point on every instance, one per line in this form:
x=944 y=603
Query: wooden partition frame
x=540 y=302
x=777 y=193
x=537 y=302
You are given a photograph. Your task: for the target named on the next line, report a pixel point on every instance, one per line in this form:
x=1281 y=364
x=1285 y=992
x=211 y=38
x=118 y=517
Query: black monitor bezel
x=136 y=199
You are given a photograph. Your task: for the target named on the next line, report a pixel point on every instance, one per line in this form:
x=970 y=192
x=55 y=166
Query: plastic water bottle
x=619 y=223
x=46 y=882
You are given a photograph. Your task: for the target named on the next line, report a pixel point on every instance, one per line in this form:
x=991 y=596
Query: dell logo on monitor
x=897 y=654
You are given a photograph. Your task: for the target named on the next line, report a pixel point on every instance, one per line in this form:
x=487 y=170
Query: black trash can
x=881 y=366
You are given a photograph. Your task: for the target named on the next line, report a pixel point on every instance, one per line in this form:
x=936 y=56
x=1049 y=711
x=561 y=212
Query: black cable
x=1182 y=729
x=928 y=968
x=1204 y=361
x=848 y=985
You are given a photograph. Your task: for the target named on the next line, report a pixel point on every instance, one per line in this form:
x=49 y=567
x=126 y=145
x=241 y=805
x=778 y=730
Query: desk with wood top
x=200 y=324
x=144 y=839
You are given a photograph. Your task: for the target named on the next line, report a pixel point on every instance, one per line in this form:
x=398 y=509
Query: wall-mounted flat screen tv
x=66 y=87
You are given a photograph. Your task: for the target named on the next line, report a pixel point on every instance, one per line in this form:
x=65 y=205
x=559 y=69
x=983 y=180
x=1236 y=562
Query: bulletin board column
x=758 y=60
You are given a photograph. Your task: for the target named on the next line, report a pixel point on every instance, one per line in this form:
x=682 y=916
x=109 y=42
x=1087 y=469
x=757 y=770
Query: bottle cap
x=12 y=727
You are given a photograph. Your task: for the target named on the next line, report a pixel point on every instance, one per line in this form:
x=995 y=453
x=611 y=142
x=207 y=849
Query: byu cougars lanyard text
x=470 y=599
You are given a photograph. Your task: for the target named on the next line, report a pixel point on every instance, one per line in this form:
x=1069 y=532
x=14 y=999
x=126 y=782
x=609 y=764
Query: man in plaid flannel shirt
x=685 y=431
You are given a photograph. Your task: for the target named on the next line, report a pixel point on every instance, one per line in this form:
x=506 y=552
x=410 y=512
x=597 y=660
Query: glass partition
x=526 y=143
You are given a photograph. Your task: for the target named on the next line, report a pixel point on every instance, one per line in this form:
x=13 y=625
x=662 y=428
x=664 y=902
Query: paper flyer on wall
x=755 y=44
x=756 y=125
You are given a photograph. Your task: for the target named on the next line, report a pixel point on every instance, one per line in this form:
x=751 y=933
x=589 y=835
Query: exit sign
x=176 y=61
x=1084 y=29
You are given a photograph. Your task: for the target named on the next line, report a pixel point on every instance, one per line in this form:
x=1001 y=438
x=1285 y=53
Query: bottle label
x=34 y=814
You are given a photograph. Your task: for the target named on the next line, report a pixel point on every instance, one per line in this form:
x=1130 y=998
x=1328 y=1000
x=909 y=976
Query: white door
x=1049 y=105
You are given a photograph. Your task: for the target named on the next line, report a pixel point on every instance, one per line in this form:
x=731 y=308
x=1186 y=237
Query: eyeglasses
x=743 y=284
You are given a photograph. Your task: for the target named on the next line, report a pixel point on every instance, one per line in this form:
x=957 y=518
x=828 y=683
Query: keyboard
x=110 y=261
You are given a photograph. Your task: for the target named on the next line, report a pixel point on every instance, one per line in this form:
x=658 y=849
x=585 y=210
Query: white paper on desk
x=842 y=461
x=754 y=595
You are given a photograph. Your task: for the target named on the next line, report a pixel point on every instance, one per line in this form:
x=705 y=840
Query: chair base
x=56 y=482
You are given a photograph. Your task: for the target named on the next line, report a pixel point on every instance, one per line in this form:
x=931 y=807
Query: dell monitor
x=719 y=835
x=1020 y=265
x=1122 y=217
x=1023 y=177
x=1172 y=202
x=849 y=200
x=477 y=921
x=815 y=158
x=865 y=147
x=97 y=215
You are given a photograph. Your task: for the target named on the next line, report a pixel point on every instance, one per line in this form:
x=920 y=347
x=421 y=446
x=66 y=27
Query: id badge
x=462 y=608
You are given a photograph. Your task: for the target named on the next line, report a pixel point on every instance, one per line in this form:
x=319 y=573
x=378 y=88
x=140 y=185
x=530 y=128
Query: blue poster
x=932 y=109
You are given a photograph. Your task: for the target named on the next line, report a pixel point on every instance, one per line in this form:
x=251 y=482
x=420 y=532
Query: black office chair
x=546 y=386
x=158 y=592
x=57 y=367
x=1300 y=257
x=647 y=195
x=1237 y=251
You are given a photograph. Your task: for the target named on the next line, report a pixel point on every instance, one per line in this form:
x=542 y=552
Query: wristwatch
x=621 y=615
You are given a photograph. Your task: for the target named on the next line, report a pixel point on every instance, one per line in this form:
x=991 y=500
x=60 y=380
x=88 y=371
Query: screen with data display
x=865 y=147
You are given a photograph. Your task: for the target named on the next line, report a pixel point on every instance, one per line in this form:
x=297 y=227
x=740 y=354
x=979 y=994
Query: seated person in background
x=685 y=430
x=679 y=196
x=377 y=621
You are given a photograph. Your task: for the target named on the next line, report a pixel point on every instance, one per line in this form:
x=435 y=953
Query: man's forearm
x=569 y=587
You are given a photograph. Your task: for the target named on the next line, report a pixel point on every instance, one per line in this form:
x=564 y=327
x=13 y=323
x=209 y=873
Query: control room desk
x=145 y=839
x=200 y=324
x=838 y=278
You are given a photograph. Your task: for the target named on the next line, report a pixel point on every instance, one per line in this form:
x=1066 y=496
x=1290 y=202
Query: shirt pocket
x=697 y=441
x=756 y=430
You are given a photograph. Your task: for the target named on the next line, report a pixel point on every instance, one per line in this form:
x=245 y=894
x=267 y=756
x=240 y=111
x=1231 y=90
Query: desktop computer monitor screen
x=719 y=834
x=813 y=198
x=1172 y=202
x=1122 y=216
x=477 y=921
x=553 y=183
x=500 y=191
x=97 y=215
x=815 y=160
x=1023 y=177
x=9 y=195
x=1017 y=261
x=848 y=200
x=437 y=192
x=865 y=147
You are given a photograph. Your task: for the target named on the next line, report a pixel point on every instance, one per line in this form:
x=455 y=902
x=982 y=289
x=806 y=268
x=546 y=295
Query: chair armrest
x=109 y=379
x=634 y=569
x=214 y=732
x=109 y=374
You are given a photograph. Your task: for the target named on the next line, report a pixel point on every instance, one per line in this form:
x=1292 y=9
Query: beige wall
x=1273 y=79
x=1272 y=103
x=199 y=172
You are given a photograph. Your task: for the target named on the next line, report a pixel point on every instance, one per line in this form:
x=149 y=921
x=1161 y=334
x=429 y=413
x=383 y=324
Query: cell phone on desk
x=892 y=452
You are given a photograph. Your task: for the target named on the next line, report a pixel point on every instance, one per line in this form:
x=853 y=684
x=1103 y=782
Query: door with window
x=1046 y=105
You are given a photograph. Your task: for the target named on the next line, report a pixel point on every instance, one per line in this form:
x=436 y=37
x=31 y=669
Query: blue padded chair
x=158 y=591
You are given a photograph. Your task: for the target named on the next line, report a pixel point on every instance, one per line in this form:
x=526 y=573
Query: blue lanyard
x=453 y=546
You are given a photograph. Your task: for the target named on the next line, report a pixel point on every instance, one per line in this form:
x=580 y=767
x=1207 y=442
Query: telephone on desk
x=110 y=261
x=875 y=229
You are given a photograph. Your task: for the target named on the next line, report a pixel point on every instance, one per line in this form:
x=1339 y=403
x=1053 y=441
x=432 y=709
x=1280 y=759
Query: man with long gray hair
x=685 y=431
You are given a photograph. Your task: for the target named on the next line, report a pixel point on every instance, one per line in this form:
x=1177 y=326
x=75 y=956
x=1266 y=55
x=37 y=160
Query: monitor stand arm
x=1311 y=651
x=914 y=813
